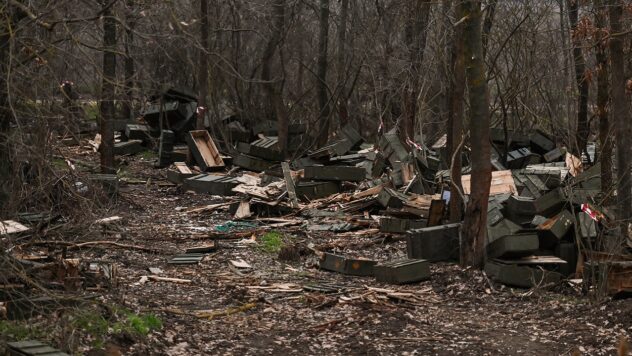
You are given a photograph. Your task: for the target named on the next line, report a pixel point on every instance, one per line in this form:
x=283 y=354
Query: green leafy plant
x=271 y=242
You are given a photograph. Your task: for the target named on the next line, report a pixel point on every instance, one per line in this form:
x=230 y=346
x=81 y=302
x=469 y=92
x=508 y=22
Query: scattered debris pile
x=546 y=220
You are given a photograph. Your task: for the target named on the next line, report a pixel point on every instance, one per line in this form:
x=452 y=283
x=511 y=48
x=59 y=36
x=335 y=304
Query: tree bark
x=456 y=94
x=107 y=89
x=323 y=100
x=343 y=113
x=274 y=90
x=5 y=112
x=603 y=97
x=621 y=114
x=490 y=12
x=127 y=111
x=581 y=138
x=416 y=35
x=474 y=232
x=202 y=65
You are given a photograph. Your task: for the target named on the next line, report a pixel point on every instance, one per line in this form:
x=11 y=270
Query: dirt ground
x=265 y=310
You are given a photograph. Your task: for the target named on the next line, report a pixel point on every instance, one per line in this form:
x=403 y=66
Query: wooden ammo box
x=109 y=182
x=204 y=150
x=351 y=266
x=212 y=184
x=140 y=132
x=179 y=173
x=550 y=203
x=336 y=173
x=266 y=148
x=128 y=147
x=520 y=209
x=403 y=271
x=390 y=198
x=400 y=226
x=251 y=163
x=32 y=347
x=554 y=229
x=541 y=143
x=316 y=190
x=437 y=243
x=392 y=148
x=517 y=245
x=520 y=275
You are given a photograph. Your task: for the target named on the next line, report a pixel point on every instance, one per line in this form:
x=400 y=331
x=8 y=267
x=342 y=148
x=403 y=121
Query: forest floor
x=265 y=310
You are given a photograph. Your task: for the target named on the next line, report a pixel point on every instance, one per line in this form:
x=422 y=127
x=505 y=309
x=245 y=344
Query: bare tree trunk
x=107 y=89
x=416 y=35
x=474 y=232
x=343 y=113
x=274 y=90
x=582 y=84
x=202 y=65
x=5 y=112
x=130 y=21
x=490 y=11
x=603 y=97
x=456 y=94
x=621 y=114
x=323 y=101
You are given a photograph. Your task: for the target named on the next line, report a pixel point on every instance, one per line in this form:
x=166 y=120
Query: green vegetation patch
x=271 y=242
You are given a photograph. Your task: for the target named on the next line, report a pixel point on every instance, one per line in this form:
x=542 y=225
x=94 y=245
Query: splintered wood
x=502 y=182
x=10 y=227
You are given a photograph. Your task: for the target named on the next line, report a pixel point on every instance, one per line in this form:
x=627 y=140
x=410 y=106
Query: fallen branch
x=168 y=279
x=71 y=245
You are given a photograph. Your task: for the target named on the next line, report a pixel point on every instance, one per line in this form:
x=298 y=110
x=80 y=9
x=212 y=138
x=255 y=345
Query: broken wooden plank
x=502 y=182
x=289 y=184
x=10 y=227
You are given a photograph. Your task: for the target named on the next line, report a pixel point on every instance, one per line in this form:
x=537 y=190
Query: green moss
x=148 y=155
x=18 y=331
x=271 y=242
x=99 y=328
x=92 y=110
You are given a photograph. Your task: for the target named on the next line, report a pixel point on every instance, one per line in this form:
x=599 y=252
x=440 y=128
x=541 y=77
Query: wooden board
x=502 y=182
x=9 y=227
